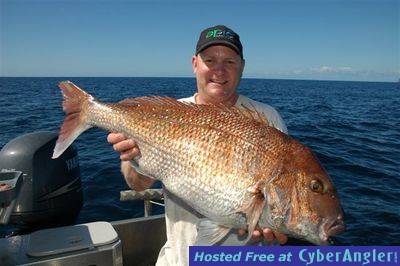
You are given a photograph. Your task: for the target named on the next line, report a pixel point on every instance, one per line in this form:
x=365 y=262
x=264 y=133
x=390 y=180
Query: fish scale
x=229 y=164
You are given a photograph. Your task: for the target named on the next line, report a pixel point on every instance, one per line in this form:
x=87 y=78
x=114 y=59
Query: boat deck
x=139 y=242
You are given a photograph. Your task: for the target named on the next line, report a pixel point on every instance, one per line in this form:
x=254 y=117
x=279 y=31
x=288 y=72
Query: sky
x=283 y=39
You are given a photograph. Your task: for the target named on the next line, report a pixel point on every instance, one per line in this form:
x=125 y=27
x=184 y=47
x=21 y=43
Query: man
x=218 y=65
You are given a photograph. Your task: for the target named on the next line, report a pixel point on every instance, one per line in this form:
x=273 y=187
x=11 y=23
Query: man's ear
x=243 y=64
x=194 y=63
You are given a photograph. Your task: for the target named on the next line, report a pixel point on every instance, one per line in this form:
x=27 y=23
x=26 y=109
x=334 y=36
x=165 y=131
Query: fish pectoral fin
x=254 y=207
x=209 y=232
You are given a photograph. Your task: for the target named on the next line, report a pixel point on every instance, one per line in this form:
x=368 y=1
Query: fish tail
x=75 y=105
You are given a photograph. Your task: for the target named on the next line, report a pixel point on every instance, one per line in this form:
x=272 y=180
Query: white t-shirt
x=181 y=219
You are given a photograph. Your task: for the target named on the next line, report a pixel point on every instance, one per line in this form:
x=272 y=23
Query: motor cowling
x=51 y=192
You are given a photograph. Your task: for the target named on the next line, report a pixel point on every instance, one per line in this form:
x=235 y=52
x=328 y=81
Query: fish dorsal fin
x=154 y=101
x=253 y=113
x=243 y=111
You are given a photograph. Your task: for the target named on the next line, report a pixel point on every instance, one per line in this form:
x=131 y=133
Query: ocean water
x=354 y=128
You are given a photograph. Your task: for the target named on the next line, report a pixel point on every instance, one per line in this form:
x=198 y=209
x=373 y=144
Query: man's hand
x=127 y=148
x=267 y=233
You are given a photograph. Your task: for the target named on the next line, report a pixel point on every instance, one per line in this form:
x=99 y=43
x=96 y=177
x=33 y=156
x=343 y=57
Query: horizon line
x=183 y=77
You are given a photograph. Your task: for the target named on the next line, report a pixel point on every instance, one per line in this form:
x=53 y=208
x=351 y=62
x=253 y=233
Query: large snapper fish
x=228 y=164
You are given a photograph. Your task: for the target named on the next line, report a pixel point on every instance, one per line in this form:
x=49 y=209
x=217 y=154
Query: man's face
x=218 y=70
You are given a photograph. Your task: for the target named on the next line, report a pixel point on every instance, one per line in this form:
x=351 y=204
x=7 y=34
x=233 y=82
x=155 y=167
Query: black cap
x=219 y=35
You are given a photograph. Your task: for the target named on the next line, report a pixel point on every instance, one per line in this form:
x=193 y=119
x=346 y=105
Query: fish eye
x=316 y=186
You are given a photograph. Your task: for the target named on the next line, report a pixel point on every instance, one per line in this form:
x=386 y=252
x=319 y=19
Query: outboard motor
x=51 y=192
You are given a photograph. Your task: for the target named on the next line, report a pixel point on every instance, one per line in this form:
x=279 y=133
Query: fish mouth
x=334 y=227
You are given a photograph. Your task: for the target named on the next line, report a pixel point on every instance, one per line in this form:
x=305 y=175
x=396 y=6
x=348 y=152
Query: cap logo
x=219 y=33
